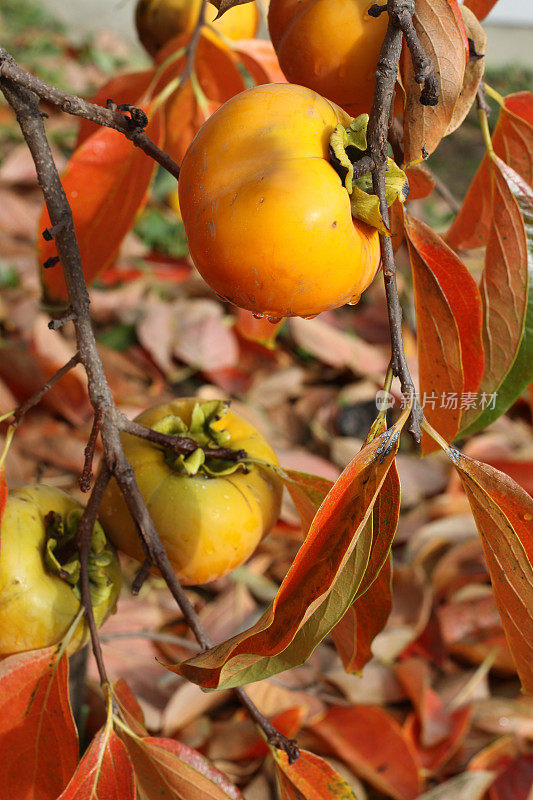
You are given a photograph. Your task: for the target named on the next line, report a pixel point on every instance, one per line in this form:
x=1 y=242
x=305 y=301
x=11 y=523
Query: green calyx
x=201 y=430
x=62 y=558
x=347 y=148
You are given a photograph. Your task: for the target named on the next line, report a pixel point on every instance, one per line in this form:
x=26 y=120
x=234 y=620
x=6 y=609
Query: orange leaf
x=369 y=612
x=38 y=741
x=504 y=516
x=513 y=142
x=106 y=182
x=166 y=769
x=434 y=721
x=219 y=78
x=129 y=88
x=319 y=587
x=480 y=7
x=434 y=757
x=105 y=771
x=256 y=330
x=259 y=58
x=421 y=181
x=309 y=778
x=372 y=744
x=308 y=493
x=513 y=135
x=441 y=32
x=129 y=706
x=449 y=316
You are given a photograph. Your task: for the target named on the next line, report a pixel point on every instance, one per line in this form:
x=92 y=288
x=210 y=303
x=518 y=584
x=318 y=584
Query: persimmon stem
x=181 y=445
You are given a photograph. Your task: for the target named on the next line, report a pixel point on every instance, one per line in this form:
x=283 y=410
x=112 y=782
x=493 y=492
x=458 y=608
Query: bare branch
x=400 y=17
x=130 y=125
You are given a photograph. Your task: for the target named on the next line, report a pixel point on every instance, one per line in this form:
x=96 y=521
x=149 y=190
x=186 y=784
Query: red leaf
x=515 y=782
x=461 y=293
x=513 y=142
x=504 y=516
x=449 y=317
x=421 y=182
x=38 y=741
x=372 y=744
x=507 y=290
x=309 y=778
x=105 y=771
x=319 y=587
x=434 y=757
x=434 y=721
x=106 y=183
x=128 y=88
x=449 y=314
x=166 y=769
x=369 y=612
x=480 y=7
x=513 y=135
x=129 y=706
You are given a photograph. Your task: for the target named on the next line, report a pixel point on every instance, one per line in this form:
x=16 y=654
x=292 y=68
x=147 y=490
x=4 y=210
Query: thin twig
x=56 y=324
x=446 y=194
x=86 y=476
x=72 y=104
x=193 y=43
x=37 y=397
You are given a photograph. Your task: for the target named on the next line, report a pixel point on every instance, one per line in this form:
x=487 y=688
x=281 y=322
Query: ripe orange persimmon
x=158 y=21
x=210 y=514
x=331 y=46
x=268 y=219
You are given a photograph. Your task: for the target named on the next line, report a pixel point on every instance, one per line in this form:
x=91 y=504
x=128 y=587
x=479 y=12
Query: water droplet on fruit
x=354 y=300
x=274 y=320
x=258 y=316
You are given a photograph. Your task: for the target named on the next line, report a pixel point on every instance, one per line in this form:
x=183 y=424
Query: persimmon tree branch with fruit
x=291 y=202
